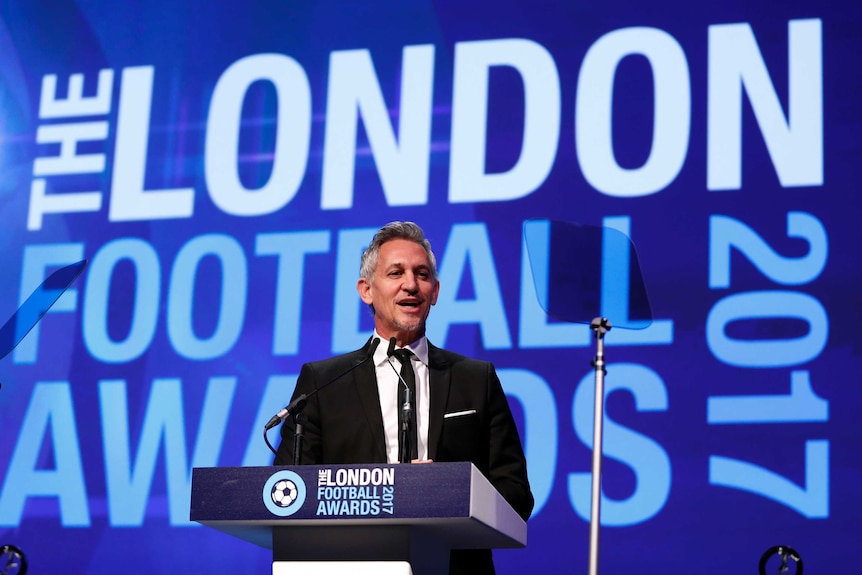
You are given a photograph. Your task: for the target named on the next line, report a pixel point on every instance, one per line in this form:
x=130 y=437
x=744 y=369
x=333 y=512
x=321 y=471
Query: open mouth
x=410 y=304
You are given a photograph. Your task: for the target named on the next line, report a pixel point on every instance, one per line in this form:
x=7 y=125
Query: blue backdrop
x=221 y=164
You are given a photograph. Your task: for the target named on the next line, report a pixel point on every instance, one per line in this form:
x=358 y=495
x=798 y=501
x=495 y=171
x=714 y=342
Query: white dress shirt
x=388 y=382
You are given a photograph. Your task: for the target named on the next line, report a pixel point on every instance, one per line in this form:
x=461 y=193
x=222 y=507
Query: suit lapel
x=440 y=378
x=365 y=380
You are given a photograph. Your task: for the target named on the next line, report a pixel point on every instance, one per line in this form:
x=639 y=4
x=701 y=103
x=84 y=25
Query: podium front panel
x=451 y=502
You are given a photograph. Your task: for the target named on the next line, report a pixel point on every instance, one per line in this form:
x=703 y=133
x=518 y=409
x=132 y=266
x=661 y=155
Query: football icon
x=284 y=493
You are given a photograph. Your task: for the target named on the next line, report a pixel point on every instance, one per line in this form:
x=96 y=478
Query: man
x=461 y=410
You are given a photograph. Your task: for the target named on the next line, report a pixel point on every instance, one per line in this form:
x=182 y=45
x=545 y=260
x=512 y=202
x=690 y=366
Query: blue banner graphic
x=221 y=165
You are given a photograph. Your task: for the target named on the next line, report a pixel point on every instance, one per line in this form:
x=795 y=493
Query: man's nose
x=410 y=283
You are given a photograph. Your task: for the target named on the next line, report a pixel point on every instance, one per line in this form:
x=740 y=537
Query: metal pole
x=600 y=326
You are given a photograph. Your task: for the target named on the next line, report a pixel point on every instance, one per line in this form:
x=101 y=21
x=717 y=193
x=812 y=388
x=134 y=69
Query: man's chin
x=412 y=327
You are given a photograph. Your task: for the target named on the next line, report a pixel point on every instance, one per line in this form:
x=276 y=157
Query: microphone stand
x=294 y=410
x=406 y=409
x=600 y=326
x=299 y=420
x=406 y=417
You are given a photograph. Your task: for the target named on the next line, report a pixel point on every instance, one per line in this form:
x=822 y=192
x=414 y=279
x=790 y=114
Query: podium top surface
x=451 y=501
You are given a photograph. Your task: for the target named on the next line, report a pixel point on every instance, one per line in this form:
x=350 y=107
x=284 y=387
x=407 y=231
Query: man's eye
x=394 y=273
x=423 y=275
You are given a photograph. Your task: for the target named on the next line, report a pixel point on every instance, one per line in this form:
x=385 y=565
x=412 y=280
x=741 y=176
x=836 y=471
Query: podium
x=381 y=519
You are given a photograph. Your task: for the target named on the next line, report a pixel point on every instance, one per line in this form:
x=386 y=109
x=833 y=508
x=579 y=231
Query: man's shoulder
x=338 y=360
x=443 y=357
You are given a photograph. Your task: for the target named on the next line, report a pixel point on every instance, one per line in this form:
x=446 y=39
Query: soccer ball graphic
x=284 y=493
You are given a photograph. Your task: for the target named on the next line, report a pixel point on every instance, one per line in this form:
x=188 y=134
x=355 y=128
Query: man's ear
x=434 y=294
x=363 y=286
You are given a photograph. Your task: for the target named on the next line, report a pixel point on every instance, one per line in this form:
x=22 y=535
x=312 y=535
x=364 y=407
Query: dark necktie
x=405 y=357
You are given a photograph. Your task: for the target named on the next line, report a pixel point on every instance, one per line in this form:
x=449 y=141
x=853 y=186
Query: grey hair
x=394 y=231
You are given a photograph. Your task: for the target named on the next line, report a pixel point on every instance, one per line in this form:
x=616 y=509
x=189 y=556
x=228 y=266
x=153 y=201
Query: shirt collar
x=418 y=347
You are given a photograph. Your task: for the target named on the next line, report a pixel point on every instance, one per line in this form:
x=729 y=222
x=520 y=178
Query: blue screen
x=221 y=165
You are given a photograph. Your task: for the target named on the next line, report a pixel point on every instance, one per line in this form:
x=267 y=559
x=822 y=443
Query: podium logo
x=284 y=493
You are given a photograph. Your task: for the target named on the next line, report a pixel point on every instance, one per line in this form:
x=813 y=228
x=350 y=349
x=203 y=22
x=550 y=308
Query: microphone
x=389 y=353
x=406 y=408
x=297 y=405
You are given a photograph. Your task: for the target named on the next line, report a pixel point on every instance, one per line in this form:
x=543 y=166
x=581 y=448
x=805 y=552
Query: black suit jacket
x=345 y=425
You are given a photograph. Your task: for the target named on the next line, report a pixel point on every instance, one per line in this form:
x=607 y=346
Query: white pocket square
x=459 y=413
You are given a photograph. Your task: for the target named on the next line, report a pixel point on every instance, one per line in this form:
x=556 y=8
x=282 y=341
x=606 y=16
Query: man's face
x=402 y=291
